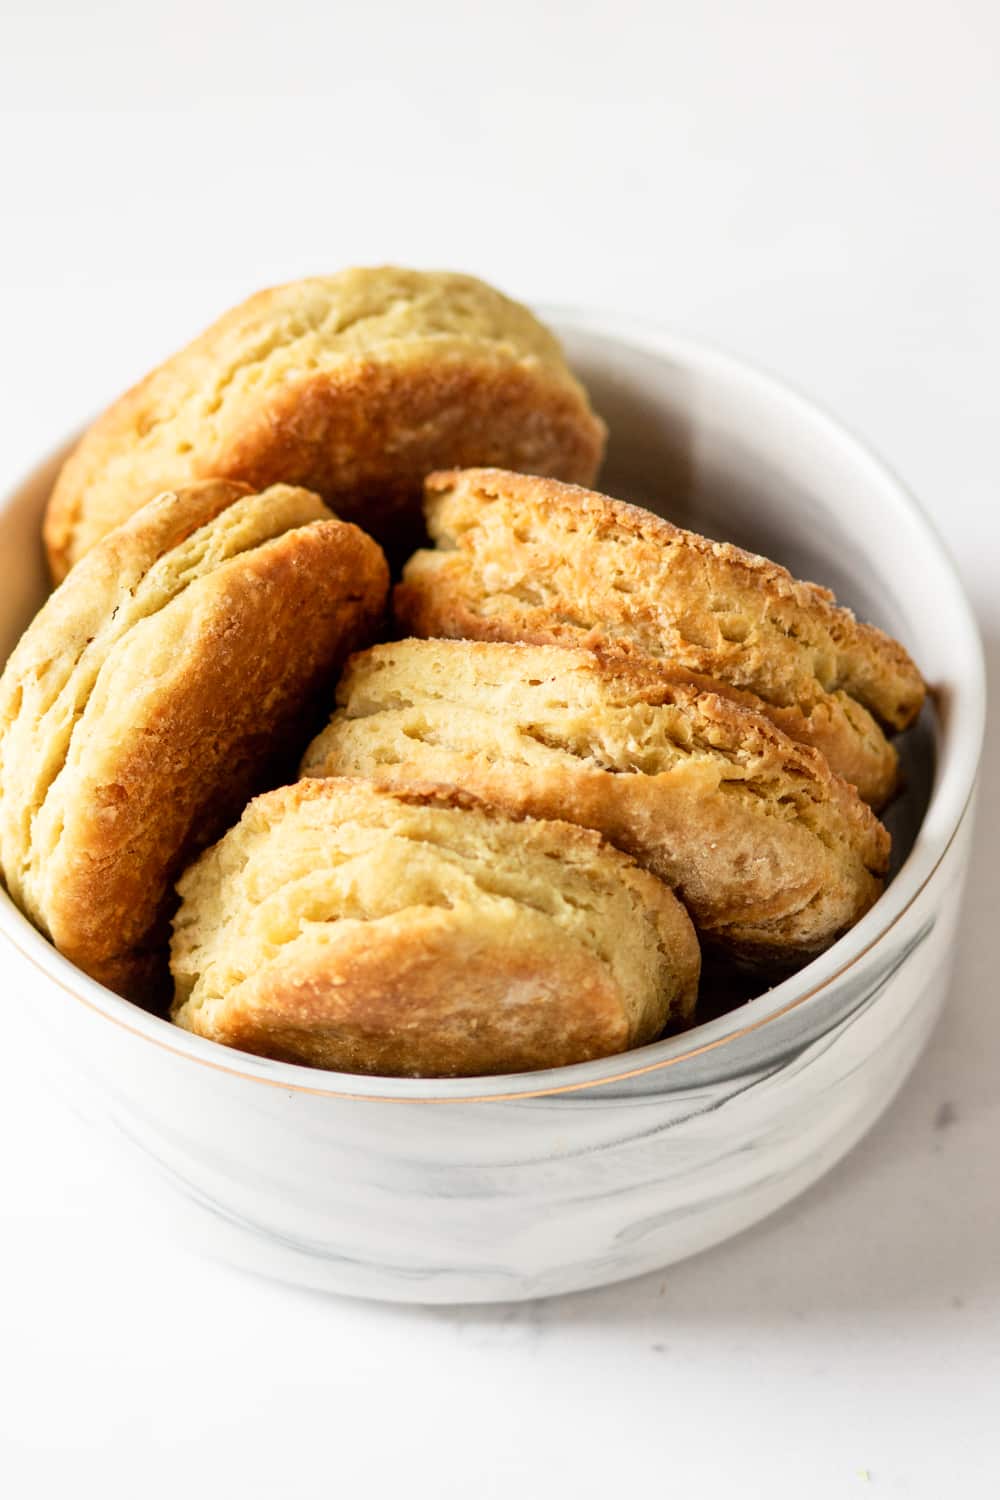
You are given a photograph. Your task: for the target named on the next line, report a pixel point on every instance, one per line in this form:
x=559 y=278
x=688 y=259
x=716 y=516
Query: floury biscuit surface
x=354 y=385
x=151 y=693
x=522 y=558
x=773 y=854
x=414 y=931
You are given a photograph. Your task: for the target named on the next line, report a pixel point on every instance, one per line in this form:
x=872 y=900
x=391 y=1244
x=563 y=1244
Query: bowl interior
x=22 y=558
x=715 y=446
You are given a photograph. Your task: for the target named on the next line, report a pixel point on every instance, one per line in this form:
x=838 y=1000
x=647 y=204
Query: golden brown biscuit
x=150 y=695
x=772 y=854
x=533 y=560
x=415 y=931
x=353 y=385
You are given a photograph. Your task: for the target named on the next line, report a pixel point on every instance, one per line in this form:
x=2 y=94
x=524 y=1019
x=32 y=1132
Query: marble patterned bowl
x=521 y=1186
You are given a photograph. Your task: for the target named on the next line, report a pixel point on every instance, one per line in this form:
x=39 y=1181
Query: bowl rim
x=953 y=789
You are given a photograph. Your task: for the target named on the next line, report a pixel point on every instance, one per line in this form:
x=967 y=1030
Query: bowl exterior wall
x=510 y=1199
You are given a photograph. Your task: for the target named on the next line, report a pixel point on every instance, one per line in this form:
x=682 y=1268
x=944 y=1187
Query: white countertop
x=812 y=187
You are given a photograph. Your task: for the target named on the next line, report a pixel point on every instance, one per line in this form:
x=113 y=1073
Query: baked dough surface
x=154 y=692
x=772 y=853
x=522 y=558
x=414 y=931
x=355 y=386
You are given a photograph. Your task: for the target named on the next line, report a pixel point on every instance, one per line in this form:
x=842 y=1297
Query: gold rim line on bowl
x=540 y=1093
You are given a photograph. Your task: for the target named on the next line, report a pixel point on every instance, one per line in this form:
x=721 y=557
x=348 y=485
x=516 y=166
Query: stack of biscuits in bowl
x=484 y=821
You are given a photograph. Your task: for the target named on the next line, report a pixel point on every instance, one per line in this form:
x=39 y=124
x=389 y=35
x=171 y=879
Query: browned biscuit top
x=531 y=559
x=353 y=385
x=153 y=692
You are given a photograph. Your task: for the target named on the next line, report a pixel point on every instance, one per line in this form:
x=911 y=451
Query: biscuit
x=529 y=559
x=151 y=696
x=773 y=855
x=414 y=931
x=354 y=385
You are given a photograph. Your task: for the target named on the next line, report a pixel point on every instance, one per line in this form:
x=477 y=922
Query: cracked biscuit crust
x=355 y=386
x=151 y=694
x=530 y=559
x=414 y=931
x=773 y=855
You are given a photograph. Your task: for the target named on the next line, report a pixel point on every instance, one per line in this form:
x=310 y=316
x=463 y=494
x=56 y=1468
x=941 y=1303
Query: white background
x=814 y=186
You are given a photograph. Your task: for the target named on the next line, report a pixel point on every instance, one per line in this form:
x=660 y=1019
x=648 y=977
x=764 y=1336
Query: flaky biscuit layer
x=354 y=385
x=146 y=700
x=520 y=558
x=772 y=853
x=414 y=931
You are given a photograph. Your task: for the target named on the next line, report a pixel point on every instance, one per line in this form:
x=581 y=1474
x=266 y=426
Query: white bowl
x=519 y=1186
